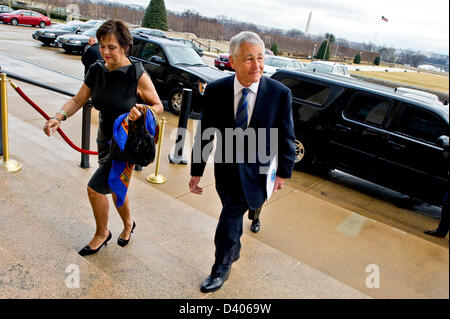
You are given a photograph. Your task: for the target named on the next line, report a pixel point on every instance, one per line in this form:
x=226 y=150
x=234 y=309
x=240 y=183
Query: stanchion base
x=156 y=179
x=12 y=165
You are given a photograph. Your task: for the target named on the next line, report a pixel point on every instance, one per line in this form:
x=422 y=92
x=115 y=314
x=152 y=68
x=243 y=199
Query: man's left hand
x=279 y=183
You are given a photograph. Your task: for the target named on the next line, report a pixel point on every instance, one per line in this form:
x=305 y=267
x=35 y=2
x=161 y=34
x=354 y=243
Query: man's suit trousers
x=230 y=226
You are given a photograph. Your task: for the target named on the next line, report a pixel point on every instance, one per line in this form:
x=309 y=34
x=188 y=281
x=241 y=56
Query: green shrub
x=377 y=60
x=321 y=54
x=274 y=48
x=357 y=59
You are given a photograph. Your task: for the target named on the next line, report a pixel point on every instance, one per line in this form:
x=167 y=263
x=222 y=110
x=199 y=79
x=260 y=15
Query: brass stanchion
x=157 y=178
x=9 y=164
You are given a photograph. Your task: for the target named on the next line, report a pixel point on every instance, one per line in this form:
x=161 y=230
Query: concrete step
x=171 y=251
x=36 y=264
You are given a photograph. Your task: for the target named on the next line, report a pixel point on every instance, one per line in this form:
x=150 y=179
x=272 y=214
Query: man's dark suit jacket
x=273 y=109
x=90 y=56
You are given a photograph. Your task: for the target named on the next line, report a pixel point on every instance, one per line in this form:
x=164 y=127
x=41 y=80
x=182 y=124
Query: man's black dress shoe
x=88 y=251
x=123 y=242
x=436 y=232
x=256 y=225
x=214 y=283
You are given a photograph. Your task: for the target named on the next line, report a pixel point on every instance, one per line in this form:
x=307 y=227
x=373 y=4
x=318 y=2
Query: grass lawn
x=425 y=80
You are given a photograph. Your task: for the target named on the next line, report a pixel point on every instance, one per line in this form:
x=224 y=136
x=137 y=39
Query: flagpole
x=375 y=38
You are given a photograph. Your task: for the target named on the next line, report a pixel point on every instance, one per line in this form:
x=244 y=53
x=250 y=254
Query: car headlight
x=202 y=87
x=75 y=42
x=50 y=34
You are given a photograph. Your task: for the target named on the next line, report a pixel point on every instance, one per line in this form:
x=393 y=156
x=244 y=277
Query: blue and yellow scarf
x=120 y=175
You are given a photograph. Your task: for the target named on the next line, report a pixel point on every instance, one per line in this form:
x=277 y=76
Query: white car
x=416 y=93
x=273 y=63
x=328 y=67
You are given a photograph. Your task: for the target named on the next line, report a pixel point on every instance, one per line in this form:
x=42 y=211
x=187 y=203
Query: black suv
x=173 y=66
x=396 y=140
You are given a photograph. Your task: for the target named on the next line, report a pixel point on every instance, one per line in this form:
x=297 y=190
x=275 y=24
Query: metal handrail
x=86 y=122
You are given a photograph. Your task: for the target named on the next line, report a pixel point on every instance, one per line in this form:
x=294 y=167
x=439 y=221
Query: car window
x=345 y=70
x=91 y=32
x=339 y=70
x=35 y=14
x=277 y=63
x=135 y=49
x=320 y=67
x=307 y=91
x=152 y=49
x=183 y=55
x=421 y=124
x=368 y=109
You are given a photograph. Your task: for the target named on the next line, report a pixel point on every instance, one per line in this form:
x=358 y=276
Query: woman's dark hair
x=120 y=30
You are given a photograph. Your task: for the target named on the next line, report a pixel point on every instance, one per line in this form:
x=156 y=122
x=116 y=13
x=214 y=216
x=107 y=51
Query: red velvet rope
x=64 y=136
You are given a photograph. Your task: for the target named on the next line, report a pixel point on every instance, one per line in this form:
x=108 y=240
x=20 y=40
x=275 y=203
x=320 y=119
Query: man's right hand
x=193 y=185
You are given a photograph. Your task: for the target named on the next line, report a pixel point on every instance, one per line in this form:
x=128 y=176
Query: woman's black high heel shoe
x=123 y=242
x=87 y=250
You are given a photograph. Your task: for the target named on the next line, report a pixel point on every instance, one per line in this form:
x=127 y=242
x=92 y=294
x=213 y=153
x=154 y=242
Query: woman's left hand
x=135 y=112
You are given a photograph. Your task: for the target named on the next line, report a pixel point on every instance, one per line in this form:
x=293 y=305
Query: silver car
x=273 y=63
x=328 y=67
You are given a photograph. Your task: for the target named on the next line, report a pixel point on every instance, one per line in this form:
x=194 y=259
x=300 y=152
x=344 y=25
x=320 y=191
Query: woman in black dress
x=116 y=86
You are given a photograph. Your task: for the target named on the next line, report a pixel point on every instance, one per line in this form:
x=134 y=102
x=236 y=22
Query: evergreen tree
x=321 y=54
x=274 y=48
x=155 y=16
x=377 y=60
x=357 y=59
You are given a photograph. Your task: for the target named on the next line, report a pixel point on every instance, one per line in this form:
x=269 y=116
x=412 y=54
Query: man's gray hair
x=244 y=36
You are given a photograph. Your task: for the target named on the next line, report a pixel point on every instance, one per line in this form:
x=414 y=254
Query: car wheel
x=14 y=21
x=42 y=24
x=304 y=154
x=175 y=100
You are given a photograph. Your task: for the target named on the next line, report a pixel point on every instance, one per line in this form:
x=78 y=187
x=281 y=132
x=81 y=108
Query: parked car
x=27 y=17
x=189 y=43
x=48 y=36
x=416 y=93
x=274 y=63
x=154 y=32
x=88 y=25
x=5 y=9
x=328 y=67
x=268 y=52
x=222 y=62
x=371 y=131
x=173 y=66
x=75 y=43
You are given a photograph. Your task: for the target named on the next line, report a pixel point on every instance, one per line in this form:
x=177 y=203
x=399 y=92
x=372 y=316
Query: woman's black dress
x=112 y=93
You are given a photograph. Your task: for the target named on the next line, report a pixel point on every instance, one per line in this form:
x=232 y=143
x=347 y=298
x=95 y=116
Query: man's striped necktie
x=242 y=114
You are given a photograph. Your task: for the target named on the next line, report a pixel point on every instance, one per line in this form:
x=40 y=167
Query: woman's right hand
x=51 y=126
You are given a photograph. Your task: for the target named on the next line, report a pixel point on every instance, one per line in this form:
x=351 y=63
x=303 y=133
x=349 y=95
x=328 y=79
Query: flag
x=384 y=19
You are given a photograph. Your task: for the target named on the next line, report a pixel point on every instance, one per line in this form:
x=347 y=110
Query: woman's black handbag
x=139 y=148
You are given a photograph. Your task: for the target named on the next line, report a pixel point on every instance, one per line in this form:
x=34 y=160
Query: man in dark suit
x=91 y=55
x=255 y=108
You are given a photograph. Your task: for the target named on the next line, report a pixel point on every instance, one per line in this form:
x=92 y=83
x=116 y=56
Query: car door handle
x=396 y=145
x=343 y=128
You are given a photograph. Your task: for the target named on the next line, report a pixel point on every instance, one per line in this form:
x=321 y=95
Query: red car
x=222 y=62
x=26 y=17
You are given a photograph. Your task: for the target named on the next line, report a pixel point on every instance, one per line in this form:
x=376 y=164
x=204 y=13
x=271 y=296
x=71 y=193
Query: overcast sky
x=415 y=24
